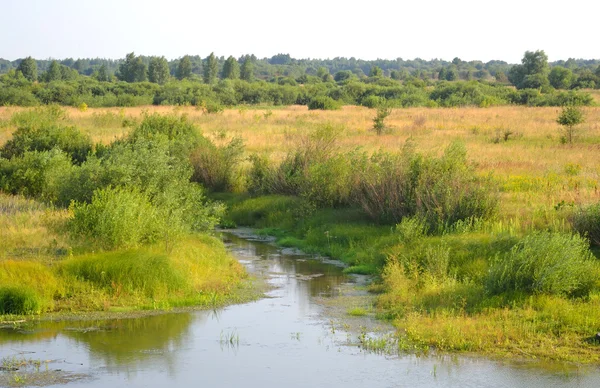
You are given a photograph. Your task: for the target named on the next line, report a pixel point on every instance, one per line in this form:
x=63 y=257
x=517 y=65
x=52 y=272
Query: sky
x=468 y=29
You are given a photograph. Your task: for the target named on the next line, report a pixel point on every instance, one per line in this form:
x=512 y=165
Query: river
x=289 y=339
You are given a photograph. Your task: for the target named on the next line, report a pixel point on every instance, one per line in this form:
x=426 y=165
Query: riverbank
x=445 y=311
x=43 y=271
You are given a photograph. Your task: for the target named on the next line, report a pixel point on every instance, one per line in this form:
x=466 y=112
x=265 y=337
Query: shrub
x=587 y=222
x=116 y=218
x=546 y=263
x=19 y=300
x=46 y=137
x=35 y=174
x=323 y=103
x=215 y=167
x=180 y=133
x=379 y=120
x=441 y=191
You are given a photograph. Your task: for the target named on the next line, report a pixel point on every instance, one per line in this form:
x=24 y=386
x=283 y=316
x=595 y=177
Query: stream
x=291 y=338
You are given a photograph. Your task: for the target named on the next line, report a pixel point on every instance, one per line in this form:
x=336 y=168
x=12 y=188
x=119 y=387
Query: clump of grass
x=19 y=301
x=586 y=221
x=139 y=271
x=357 y=312
x=548 y=263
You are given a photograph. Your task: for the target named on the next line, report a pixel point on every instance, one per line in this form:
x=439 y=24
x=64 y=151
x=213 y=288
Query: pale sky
x=468 y=29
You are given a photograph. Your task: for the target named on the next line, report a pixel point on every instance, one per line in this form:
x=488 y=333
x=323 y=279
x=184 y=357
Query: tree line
x=567 y=74
x=229 y=82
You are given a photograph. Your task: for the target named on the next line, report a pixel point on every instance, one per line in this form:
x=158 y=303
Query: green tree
x=28 y=67
x=531 y=72
x=560 y=77
x=53 y=73
x=231 y=69
x=184 y=68
x=132 y=69
x=247 y=71
x=452 y=73
x=569 y=118
x=383 y=111
x=103 y=75
x=211 y=69
x=158 y=71
x=376 y=72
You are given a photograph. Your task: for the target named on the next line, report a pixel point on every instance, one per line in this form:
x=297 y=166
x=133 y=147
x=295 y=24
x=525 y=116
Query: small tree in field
x=570 y=117
x=383 y=111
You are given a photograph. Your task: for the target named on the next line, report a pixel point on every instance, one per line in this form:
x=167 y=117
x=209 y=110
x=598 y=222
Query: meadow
x=486 y=249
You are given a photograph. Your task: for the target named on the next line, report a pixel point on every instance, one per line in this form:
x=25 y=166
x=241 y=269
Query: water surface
x=284 y=340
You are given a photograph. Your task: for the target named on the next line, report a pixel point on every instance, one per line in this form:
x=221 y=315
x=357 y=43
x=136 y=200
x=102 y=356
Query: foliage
x=247 y=70
x=184 y=68
x=215 y=167
x=45 y=138
x=379 y=120
x=231 y=69
x=28 y=68
x=132 y=69
x=158 y=70
x=545 y=262
x=19 y=301
x=117 y=218
x=442 y=191
x=211 y=69
x=586 y=221
x=323 y=103
x=569 y=117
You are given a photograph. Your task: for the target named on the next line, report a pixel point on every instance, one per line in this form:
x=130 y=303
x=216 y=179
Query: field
x=520 y=146
x=443 y=284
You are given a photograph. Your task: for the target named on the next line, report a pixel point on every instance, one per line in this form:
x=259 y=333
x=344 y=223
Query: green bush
x=323 y=103
x=117 y=218
x=215 y=167
x=587 y=222
x=545 y=263
x=35 y=174
x=181 y=134
x=442 y=191
x=19 y=301
x=47 y=137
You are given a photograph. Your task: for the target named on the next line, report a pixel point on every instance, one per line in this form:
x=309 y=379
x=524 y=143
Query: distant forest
x=282 y=80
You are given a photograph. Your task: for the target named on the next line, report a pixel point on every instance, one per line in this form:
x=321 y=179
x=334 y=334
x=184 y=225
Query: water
x=285 y=340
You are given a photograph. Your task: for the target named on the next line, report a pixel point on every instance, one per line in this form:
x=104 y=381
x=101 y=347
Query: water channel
x=284 y=340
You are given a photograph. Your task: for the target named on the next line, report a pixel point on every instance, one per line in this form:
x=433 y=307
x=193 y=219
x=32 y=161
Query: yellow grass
x=536 y=172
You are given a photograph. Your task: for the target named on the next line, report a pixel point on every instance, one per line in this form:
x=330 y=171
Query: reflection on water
x=282 y=340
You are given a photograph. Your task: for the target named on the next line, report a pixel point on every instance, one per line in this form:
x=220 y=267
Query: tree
x=280 y=59
x=560 y=77
x=28 y=67
x=501 y=77
x=231 y=69
x=451 y=73
x=383 y=111
x=53 y=73
x=132 y=69
x=211 y=69
x=376 y=72
x=158 y=71
x=184 y=68
x=531 y=72
x=569 y=117
x=247 y=71
x=103 y=75
x=343 y=75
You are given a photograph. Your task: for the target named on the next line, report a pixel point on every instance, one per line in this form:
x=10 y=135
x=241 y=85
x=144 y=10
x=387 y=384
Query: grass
x=434 y=286
x=43 y=271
